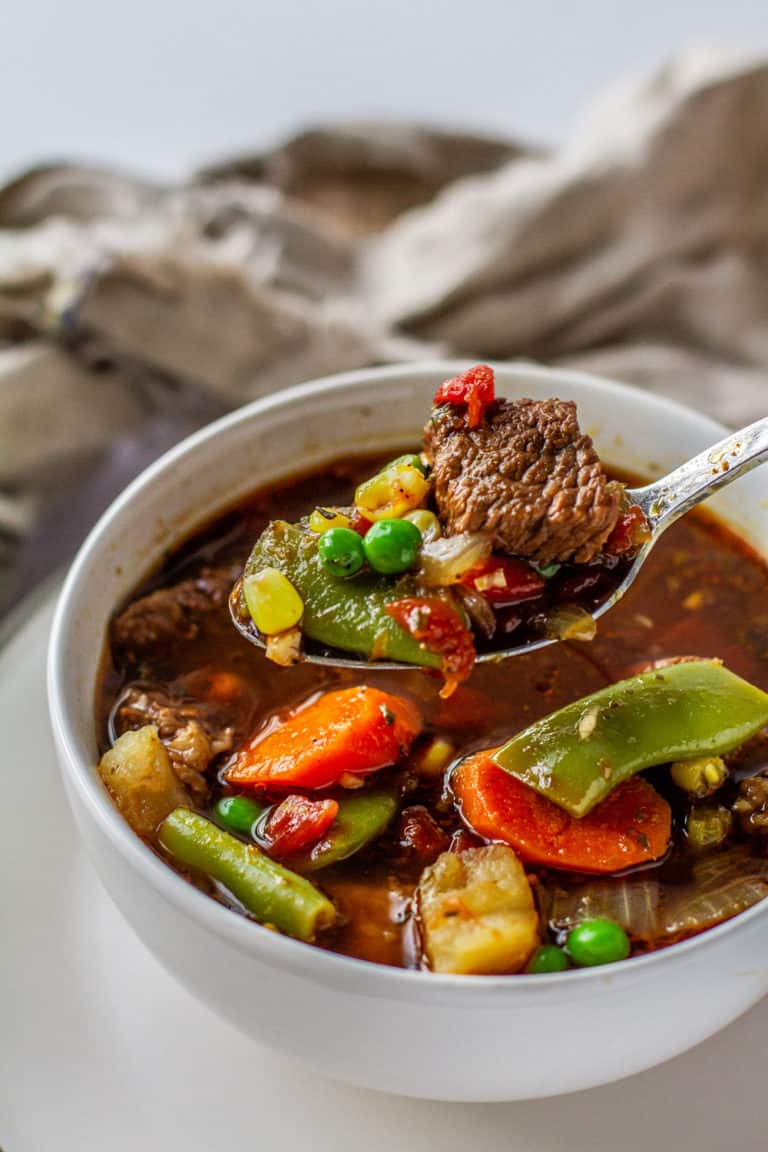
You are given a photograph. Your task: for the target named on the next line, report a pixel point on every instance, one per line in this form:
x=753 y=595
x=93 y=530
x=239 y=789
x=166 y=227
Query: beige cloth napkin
x=132 y=312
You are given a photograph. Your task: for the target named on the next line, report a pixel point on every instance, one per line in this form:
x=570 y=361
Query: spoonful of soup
x=503 y=535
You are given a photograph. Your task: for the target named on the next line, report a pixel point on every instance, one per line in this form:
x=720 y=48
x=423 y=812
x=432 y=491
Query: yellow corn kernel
x=273 y=602
x=701 y=776
x=398 y=489
x=324 y=518
x=427 y=523
x=431 y=761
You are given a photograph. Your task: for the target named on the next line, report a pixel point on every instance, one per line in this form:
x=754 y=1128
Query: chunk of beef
x=749 y=764
x=751 y=806
x=164 y=618
x=194 y=732
x=527 y=475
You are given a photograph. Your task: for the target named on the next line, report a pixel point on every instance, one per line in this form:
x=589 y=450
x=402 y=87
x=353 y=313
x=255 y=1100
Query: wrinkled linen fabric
x=132 y=312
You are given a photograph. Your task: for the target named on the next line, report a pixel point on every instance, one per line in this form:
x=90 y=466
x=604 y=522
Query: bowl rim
x=310 y=962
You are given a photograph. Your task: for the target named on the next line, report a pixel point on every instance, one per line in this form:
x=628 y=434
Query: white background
x=160 y=85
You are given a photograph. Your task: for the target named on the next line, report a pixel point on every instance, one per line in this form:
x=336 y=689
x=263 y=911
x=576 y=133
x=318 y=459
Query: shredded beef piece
x=193 y=732
x=169 y=616
x=527 y=475
x=419 y=834
x=751 y=805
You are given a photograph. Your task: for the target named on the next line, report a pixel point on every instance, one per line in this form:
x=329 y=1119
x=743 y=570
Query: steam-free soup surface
x=702 y=592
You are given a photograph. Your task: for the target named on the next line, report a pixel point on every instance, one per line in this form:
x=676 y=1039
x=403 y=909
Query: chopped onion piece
x=568 y=622
x=446 y=560
x=284 y=648
x=478 y=609
x=722 y=884
x=631 y=901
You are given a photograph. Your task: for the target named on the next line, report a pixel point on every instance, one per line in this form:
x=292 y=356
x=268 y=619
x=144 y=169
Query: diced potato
x=477 y=912
x=138 y=774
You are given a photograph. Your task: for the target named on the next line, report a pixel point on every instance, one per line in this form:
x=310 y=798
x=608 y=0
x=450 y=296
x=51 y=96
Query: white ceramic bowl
x=453 y=1038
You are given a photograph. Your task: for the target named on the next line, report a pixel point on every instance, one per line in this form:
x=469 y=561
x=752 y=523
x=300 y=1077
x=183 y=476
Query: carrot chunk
x=632 y=826
x=354 y=730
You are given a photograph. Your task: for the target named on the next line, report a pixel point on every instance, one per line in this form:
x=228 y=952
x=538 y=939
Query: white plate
x=101 y=1051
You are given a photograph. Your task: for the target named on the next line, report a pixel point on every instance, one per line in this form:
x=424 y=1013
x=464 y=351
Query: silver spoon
x=662 y=502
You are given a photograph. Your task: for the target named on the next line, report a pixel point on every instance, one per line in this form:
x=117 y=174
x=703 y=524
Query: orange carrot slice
x=354 y=730
x=632 y=826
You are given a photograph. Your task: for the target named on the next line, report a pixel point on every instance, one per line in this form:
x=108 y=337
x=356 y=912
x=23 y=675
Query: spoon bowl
x=662 y=503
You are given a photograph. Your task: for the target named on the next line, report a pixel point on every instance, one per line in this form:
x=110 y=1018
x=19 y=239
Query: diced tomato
x=631 y=826
x=358 y=523
x=631 y=530
x=298 y=823
x=420 y=834
x=438 y=629
x=503 y=581
x=353 y=730
x=475 y=388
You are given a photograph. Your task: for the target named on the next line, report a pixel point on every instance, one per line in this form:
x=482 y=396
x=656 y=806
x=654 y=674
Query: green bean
x=362 y=817
x=271 y=893
x=347 y=614
x=578 y=755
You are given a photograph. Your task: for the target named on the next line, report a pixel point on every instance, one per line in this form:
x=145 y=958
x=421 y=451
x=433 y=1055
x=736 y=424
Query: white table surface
x=101 y=1051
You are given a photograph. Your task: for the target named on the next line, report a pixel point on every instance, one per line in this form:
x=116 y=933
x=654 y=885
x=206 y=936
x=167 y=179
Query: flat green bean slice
x=578 y=755
x=362 y=817
x=346 y=614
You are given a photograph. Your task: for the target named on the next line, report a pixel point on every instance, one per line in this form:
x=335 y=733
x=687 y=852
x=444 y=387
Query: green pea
x=341 y=551
x=548 y=958
x=597 y=941
x=391 y=546
x=237 y=813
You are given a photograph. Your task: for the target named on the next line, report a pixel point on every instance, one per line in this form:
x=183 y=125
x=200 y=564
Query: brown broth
x=703 y=592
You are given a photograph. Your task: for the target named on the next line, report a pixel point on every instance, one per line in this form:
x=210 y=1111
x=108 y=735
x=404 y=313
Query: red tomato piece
x=505 y=581
x=475 y=388
x=359 y=523
x=438 y=629
x=355 y=730
x=298 y=823
x=630 y=531
x=632 y=826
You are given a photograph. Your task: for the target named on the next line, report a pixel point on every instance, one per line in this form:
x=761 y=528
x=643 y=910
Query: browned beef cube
x=527 y=475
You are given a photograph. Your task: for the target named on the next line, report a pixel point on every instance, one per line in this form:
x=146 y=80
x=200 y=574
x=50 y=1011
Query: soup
x=177 y=671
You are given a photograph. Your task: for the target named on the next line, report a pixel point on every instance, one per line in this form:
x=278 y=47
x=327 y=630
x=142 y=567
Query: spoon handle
x=666 y=499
